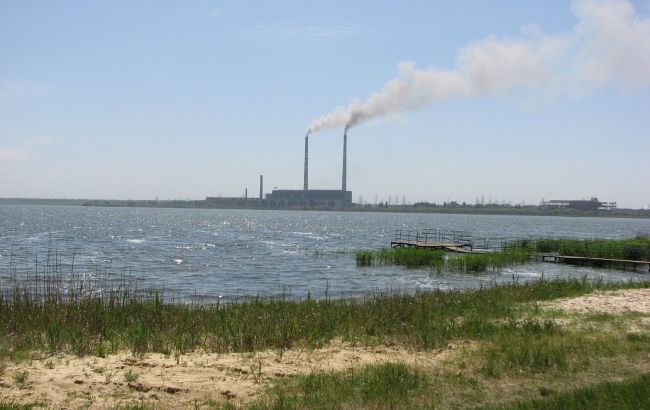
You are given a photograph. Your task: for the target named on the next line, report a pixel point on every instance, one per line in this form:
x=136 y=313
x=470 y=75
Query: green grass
x=14 y=406
x=86 y=324
x=440 y=261
x=410 y=257
x=515 y=252
x=536 y=346
x=131 y=377
x=481 y=262
x=629 y=394
x=20 y=378
x=529 y=353
x=508 y=340
x=631 y=249
x=387 y=385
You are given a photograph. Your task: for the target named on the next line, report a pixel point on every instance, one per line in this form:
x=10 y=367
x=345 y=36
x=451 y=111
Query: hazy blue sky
x=138 y=99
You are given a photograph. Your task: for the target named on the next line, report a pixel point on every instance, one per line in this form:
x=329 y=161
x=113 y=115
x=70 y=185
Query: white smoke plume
x=609 y=46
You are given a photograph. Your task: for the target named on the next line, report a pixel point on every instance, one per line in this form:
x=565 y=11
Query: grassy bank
x=84 y=323
x=497 y=338
x=92 y=325
x=629 y=394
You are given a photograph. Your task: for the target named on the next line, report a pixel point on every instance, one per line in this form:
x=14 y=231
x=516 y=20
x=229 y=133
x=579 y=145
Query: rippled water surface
x=230 y=253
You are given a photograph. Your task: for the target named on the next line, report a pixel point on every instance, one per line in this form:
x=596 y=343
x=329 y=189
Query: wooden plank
x=568 y=258
x=450 y=246
x=602 y=259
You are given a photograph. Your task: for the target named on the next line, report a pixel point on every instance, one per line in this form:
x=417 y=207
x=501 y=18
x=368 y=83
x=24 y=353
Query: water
x=232 y=253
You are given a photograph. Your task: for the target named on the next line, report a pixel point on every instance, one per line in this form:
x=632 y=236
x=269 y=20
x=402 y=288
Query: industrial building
x=330 y=198
x=592 y=204
x=296 y=198
x=319 y=198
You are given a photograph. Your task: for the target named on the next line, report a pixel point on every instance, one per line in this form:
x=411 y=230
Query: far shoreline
x=503 y=210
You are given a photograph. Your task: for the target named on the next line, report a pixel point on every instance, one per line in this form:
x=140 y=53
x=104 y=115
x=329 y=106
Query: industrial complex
x=592 y=204
x=298 y=198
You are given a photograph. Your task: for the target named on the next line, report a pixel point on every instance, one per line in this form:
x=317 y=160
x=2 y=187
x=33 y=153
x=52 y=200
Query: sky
x=507 y=100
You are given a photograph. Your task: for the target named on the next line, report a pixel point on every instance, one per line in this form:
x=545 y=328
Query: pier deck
x=452 y=241
x=584 y=260
x=448 y=246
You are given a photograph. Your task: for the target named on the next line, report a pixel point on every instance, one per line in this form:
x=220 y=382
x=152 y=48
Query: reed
x=365 y=258
x=631 y=249
x=412 y=258
x=440 y=261
x=48 y=314
x=481 y=262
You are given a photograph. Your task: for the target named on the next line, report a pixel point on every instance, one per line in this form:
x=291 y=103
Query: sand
x=612 y=302
x=66 y=381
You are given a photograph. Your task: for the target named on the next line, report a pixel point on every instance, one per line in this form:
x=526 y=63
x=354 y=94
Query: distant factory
x=592 y=204
x=297 y=198
x=331 y=198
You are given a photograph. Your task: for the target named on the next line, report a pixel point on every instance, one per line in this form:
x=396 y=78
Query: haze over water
x=230 y=253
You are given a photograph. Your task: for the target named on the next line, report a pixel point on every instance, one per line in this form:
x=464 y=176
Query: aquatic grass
x=365 y=258
x=411 y=258
x=440 y=261
x=481 y=262
x=631 y=249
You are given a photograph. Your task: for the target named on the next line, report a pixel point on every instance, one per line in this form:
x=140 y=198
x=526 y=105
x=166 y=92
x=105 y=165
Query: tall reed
x=47 y=317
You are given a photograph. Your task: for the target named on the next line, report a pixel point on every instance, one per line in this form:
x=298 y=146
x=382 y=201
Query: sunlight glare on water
x=230 y=253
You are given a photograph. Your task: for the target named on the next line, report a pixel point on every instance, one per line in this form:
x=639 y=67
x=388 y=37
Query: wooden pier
x=584 y=260
x=447 y=246
x=452 y=241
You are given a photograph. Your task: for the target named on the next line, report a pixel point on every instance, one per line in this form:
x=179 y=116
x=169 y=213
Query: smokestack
x=345 y=160
x=306 y=182
x=261 y=187
x=246 y=193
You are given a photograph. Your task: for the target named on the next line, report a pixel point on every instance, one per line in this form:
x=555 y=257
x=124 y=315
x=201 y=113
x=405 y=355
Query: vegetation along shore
x=535 y=345
x=423 y=207
x=510 y=253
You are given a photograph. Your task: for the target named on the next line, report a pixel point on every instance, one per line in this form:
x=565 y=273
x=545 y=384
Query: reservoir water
x=233 y=253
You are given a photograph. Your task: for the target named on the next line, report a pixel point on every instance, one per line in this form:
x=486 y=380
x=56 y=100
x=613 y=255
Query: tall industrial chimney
x=345 y=160
x=261 y=187
x=306 y=183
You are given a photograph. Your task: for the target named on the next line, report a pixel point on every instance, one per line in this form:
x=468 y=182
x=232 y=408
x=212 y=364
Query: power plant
x=330 y=198
x=293 y=198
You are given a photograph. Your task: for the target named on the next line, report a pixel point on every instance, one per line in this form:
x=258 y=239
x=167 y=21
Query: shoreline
x=622 y=213
x=552 y=340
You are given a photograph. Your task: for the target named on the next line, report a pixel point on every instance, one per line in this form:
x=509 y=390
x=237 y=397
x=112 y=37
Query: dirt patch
x=613 y=302
x=196 y=379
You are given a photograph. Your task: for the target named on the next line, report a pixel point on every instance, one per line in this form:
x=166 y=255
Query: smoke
x=609 y=46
